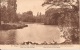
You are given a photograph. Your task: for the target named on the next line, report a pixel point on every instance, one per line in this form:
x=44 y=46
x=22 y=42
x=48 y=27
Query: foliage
x=4 y=14
x=52 y=16
x=27 y=16
x=39 y=18
x=8 y=11
x=68 y=18
x=11 y=9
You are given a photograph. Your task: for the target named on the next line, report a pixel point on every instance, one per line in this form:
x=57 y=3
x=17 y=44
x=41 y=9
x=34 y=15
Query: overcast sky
x=27 y=5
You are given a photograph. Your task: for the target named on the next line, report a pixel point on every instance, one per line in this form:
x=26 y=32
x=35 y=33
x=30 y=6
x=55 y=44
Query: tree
x=11 y=9
x=69 y=14
x=52 y=16
x=27 y=16
x=1 y=7
x=39 y=18
x=4 y=14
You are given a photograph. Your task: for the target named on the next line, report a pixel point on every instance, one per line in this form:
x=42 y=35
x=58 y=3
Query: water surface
x=34 y=33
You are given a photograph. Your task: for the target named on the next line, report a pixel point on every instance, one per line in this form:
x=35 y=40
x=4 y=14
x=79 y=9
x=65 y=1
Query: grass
x=12 y=26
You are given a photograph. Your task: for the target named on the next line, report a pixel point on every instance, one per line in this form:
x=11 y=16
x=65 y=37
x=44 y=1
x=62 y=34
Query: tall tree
x=1 y=5
x=4 y=14
x=12 y=7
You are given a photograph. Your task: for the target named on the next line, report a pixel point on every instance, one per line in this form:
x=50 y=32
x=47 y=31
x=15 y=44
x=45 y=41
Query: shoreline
x=9 y=26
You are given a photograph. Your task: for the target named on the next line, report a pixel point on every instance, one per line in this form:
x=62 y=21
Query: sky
x=30 y=5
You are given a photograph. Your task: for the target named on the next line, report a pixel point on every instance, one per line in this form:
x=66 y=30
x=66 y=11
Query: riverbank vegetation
x=8 y=16
x=67 y=18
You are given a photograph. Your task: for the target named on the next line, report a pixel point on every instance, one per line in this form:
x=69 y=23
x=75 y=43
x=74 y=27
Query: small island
x=9 y=26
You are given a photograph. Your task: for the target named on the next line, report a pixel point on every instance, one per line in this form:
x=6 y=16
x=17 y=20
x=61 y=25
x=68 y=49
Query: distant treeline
x=29 y=17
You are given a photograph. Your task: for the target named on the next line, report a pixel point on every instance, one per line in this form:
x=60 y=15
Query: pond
x=34 y=33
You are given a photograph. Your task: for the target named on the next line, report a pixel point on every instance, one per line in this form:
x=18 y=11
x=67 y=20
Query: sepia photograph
x=39 y=22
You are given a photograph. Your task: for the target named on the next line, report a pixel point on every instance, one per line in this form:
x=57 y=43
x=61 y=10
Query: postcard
x=39 y=24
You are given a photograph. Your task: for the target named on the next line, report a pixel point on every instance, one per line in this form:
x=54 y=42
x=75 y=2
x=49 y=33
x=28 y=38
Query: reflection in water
x=34 y=33
x=7 y=37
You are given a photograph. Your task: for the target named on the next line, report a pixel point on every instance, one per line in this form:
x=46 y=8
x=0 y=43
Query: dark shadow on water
x=7 y=37
x=8 y=33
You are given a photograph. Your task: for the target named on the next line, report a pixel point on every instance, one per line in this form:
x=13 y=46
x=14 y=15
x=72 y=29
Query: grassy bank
x=8 y=26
